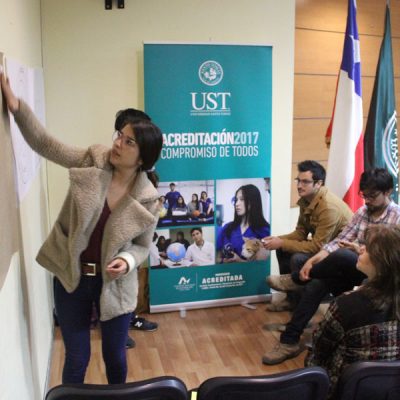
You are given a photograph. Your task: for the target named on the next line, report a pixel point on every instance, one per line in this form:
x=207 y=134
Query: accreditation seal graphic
x=211 y=73
x=389 y=146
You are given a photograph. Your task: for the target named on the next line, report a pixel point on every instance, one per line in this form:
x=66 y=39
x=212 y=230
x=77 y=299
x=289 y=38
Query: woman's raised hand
x=11 y=100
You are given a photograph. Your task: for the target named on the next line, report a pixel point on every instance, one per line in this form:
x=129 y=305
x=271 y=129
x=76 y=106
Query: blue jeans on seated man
x=74 y=312
x=337 y=273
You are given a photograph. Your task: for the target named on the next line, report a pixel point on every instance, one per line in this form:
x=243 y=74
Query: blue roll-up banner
x=213 y=104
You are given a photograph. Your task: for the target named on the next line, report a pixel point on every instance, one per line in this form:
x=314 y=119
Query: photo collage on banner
x=213 y=105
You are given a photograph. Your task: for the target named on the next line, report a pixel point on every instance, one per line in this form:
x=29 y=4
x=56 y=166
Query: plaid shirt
x=355 y=229
x=353 y=331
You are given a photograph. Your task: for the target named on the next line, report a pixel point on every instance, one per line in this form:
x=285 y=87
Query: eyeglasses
x=369 y=196
x=126 y=140
x=304 y=182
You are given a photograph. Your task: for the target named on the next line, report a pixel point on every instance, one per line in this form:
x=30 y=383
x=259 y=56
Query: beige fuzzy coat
x=129 y=228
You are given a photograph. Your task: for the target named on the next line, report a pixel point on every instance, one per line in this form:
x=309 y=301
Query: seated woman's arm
x=209 y=205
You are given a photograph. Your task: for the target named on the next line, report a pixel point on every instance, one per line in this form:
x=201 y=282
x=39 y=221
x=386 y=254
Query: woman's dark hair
x=127 y=116
x=377 y=179
x=183 y=201
x=201 y=194
x=382 y=245
x=161 y=243
x=196 y=201
x=148 y=137
x=180 y=236
x=253 y=210
x=160 y=238
x=317 y=170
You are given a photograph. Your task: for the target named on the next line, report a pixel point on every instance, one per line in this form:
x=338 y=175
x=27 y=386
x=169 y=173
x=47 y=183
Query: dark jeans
x=292 y=263
x=335 y=274
x=74 y=311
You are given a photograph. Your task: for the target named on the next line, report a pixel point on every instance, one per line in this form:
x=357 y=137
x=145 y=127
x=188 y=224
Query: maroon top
x=92 y=254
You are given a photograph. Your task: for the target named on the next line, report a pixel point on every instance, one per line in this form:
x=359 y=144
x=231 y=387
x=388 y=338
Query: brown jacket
x=323 y=218
x=129 y=229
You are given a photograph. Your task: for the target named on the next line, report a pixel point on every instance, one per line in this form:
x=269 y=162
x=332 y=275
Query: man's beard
x=373 y=209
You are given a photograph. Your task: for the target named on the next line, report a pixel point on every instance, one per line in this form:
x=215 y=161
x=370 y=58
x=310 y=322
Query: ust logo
x=210 y=103
x=184 y=281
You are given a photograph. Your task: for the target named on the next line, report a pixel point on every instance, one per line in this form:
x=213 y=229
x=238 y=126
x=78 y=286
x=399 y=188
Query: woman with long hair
x=194 y=206
x=180 y=208
x=206 y=204
x=162 y=245
x=248 y=222
x=180 y=238
x=364 y=324
x=102 y=233
x=164 y=206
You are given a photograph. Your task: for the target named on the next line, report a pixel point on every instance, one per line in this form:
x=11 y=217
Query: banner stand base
x=249 y=306
x=193 y=305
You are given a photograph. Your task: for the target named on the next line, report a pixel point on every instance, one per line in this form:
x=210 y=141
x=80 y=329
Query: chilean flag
x=346 y=154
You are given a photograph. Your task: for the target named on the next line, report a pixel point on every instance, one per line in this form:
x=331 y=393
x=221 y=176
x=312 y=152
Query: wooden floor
x=206 y=343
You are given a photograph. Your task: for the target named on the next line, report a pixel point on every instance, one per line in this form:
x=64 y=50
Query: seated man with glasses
x=322 y=216
x=333 y=269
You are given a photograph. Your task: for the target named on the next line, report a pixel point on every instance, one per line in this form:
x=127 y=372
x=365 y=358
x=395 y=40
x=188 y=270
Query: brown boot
x=283 y=305
x=283 y=283
x=281 y=353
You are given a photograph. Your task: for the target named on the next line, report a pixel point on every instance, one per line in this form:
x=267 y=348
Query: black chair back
x=302 y=384
x=161 y=388
x=370 y=380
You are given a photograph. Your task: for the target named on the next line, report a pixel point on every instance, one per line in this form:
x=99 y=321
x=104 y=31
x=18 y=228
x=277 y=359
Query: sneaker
x=142 y=324
x=130 y=343
x=281 y=353
x=283 y=305
x=283 y=283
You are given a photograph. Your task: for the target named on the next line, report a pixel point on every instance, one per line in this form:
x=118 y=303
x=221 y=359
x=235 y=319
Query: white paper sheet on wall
x=27 y=84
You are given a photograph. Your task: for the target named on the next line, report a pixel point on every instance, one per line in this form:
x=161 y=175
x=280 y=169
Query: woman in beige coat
x=102 y=234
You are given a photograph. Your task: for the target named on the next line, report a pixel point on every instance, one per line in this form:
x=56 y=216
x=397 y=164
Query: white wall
x=93 y=62
x=25 y=299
